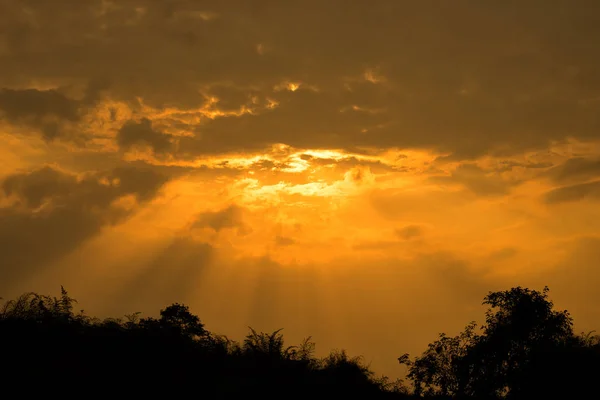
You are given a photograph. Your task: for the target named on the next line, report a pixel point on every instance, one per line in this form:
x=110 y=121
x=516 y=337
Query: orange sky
x=362 y=172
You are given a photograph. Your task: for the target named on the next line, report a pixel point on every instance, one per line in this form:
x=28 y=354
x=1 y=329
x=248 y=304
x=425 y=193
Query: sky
x=364 y=172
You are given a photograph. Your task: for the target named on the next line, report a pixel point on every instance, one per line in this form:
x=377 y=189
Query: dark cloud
x=397 y=241
x=284 y=240
x=469 y=79
x=509 y=165
x=477 y=180
x=37 y=103
x=359 y=175
x=33 y=188
x=590 y=190
x=409 y=232
x=44 y=110
x=576 y=169
x=230 y=98
x=47 y=110
x=133 y=133
x=229 y=217
x=53 y=212
x=266 y=165
x=304 y=119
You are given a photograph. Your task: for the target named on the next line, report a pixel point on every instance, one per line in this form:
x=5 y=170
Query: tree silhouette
x=436 y=372
x=176 y=319
x=523 y=342
x=519 y=322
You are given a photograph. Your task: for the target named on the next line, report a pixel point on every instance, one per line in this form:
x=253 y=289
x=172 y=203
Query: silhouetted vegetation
x=48 y=347
x=524 y=350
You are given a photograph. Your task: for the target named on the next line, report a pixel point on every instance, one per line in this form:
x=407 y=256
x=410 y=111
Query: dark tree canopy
x=178 y=320
x=522 y=341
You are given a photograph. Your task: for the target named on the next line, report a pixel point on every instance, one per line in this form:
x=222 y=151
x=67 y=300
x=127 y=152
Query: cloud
x=509 y=165
x=53 y=212
x=133 y=133
x=46 y=110
x=37 y=103
x=344 y=162
x=409 y=232
x=438 y=87
x=393 y=242
x=229 y=217
x=576 y=169
x=590 y=190
x=284 y=240
x=33 y=188
x=311 y=120
x=477 y=180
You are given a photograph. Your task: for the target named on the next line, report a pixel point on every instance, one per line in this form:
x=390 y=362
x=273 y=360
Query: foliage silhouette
x=525 y=350
x=50 y=348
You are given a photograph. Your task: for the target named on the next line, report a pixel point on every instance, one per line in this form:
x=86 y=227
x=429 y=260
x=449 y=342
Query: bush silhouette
x=50 y=349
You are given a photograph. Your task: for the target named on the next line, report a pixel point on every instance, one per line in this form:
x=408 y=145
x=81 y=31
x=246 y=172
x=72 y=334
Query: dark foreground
x=525 y=350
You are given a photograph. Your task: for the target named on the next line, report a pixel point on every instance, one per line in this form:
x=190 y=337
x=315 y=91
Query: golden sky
x=360 y=171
